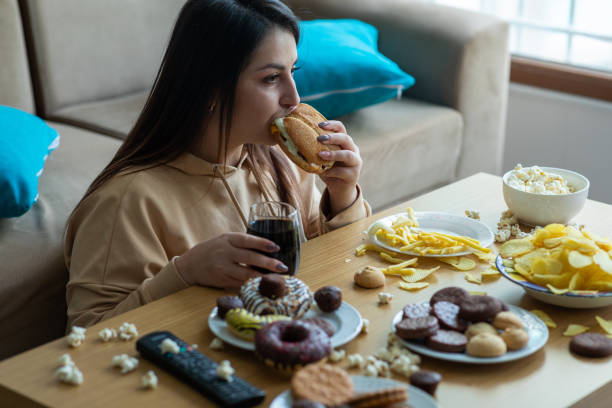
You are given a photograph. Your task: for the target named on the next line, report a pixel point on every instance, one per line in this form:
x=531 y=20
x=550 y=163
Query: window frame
x=560 y=77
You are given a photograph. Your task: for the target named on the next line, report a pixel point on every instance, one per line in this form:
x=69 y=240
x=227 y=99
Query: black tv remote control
x=198 y=371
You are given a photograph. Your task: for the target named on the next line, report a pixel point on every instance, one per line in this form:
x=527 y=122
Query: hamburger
x=297 y=134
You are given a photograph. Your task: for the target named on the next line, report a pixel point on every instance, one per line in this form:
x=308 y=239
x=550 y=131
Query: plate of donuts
x=346 y=322
x=535 y=328
x=417 y=398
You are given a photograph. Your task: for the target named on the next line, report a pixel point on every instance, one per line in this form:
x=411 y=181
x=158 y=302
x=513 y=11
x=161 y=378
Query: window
x=572 y=32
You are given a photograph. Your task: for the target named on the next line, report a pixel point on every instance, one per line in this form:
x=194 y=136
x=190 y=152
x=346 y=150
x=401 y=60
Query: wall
x=554 y=129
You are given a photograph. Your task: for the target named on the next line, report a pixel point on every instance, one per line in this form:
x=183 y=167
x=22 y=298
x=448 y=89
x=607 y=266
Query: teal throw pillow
x=25 y=143
x=341 y=69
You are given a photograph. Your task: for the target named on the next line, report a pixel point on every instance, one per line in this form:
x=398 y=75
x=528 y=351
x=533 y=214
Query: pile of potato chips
x=561 y=258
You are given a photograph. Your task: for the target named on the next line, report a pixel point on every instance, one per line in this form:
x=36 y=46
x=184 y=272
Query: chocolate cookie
x=448 y=315
x=479 y=308
x=426 y=380
x=416 y=310
x=324 y=324
x=227 y=303
x=451 y=294
x=591 y=345
x=380 y=398
x=417 y=328
x=448 y=341
x=273 y=286
x=328 y=298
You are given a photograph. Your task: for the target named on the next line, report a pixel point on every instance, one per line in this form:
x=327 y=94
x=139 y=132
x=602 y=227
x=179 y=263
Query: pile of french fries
x=406 y=237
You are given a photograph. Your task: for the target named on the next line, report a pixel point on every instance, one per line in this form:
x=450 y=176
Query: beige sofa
x=86 y=67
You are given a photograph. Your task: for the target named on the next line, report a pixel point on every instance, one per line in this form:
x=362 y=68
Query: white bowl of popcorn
x=544 y=195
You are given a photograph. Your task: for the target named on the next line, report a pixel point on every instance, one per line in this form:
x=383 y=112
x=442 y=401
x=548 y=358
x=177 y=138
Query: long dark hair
x=211 y=44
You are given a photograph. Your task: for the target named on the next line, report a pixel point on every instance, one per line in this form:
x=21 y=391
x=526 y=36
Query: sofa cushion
x=94 y=50
x=15 y=85
x=36 y=284
x=407 y=146
x=341 y=69
x=25 y=143
x=114 y=117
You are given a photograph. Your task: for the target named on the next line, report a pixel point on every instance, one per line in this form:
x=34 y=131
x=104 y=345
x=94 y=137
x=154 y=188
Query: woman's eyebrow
x=274 y=65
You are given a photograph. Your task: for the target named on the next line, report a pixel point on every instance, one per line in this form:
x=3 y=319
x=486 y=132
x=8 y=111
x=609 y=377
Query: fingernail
x=323 y=138
x=281 y=267
x=323 y=124
x=324 y=154
x=273 y=247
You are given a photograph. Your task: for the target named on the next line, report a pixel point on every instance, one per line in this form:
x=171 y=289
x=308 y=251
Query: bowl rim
x=533 y=286
x=552 y=170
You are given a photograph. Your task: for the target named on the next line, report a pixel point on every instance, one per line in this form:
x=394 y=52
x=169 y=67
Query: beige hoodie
x=121 y=241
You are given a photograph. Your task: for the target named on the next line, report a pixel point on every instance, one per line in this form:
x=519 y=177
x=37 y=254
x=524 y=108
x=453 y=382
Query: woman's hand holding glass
x=221 y=261
x=341 y=180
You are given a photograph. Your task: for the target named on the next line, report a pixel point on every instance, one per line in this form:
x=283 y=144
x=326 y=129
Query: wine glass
x=280 y=223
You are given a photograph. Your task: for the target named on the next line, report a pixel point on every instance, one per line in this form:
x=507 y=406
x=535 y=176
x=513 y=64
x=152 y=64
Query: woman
x=169 y=210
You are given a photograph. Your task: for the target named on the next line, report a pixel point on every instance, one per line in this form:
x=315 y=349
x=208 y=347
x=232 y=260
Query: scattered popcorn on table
x=76 y=336
x=403 y=366
x=65 y=360
x=370 y=370
x=225 y=371
x=128 y=331
x=365 y=327
x=384 y=298
x=515 y=231
x=355 y=360
x=347 y=260
x=107 y=335
x=216 y=344
x=502 y=235
x=508 y=227
x=472 y=214
x=337 y=355
x=69 y=374
x=535 y=180
x=149 y=380
x=126 y=363
x=170 y=346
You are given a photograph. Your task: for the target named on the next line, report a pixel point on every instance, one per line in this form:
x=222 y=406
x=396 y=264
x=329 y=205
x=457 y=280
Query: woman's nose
x=290 y=97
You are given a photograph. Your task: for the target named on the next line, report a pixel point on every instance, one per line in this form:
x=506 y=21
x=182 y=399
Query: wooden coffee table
x=552 y=377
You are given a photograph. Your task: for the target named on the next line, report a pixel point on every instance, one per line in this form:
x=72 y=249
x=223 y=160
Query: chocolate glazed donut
x=287 y=345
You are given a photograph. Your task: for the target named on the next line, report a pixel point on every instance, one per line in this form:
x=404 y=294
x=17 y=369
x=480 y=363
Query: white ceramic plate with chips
x=417 y=398
x=346 y=320
x=537 y=330
x=445 y=223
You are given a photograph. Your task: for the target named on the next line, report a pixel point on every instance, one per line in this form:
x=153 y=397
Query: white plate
x=346 y=321
x=537 y=330
x=417 y=398
x=437 y=222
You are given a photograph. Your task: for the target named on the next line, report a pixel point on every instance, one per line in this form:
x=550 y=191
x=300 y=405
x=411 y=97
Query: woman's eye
x=271 y=78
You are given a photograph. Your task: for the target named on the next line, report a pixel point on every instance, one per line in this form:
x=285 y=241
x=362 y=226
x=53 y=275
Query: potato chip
x=419 y=274
x=490 y=274
x=544 y=317
x=508 y=263
x=556 y=291
x=516 y=277
x=485 y=257
x=413 y=285
x=584 y=292
x=472 y=278
x=604 y=324
x=603 y=260
x=477 y=292
x=579 y=260
x=403 y=264
x=574 y=329
x=460 y=263
x=516 y=247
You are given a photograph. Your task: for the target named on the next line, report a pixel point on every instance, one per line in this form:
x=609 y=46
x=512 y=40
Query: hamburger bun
x=297 y=134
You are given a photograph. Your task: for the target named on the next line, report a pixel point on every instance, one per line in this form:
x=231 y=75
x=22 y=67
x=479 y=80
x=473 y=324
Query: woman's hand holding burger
x=341 y=179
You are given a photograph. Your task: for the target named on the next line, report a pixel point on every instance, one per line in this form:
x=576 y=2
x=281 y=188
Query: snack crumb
x=225 y=371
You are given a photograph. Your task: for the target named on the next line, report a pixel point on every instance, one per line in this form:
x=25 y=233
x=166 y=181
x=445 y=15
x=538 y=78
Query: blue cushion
x=341 y=69
x=25 y=143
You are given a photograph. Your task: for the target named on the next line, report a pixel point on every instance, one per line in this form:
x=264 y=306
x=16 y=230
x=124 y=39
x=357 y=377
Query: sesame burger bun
x=297 y=134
